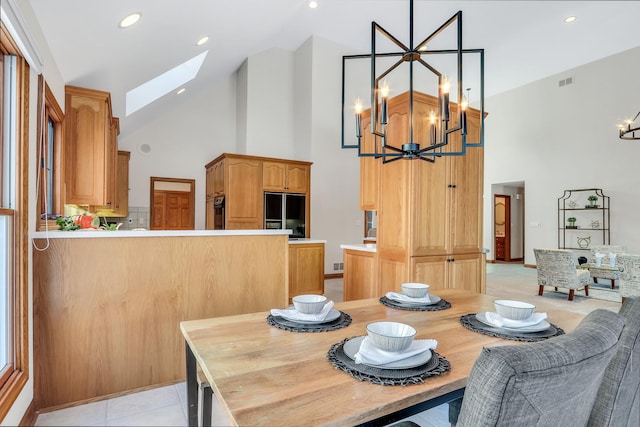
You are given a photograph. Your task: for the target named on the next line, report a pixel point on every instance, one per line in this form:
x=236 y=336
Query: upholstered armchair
x=557 y=268
x=549 y=383
x=606 y=271
x=618 y=401
x=629 y=268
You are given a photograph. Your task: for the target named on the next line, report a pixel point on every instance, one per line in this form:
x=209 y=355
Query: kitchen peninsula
x=107 y=305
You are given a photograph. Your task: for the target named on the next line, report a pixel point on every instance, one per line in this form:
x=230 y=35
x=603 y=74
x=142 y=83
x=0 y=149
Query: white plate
x=333 y=315
x=434 y=299
x=541 y=326
x=352 y=346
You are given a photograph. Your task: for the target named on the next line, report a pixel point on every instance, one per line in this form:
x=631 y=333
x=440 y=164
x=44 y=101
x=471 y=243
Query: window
x=50 y=158
x=14 y=94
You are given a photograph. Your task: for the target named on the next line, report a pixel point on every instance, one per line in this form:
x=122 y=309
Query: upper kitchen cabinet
x=91 y=148
x=286 y=177
x=121 y=208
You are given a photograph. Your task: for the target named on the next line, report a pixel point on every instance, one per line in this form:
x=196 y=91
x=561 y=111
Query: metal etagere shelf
x=589 y=208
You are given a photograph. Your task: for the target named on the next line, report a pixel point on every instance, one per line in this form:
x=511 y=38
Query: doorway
x=172 y=203
x=512 y=194
x=502 y=227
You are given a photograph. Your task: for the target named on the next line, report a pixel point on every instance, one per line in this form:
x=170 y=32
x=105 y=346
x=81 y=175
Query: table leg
x=192 y=387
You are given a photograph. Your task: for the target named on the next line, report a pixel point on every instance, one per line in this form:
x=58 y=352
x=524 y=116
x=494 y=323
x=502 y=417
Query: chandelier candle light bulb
x=384 y=93
x=358 y=110
x=463 y=115
x=445 y=88
x=432 y=126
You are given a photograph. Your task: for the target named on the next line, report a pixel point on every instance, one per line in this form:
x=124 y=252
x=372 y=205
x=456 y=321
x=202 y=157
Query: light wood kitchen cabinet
x=218 y=175
x=285 y=177
x=450 y=271
x=239 y=179
x=306 y=269
x=243 y=180
x=91 y=148
x=359 y=275
x=369 y=170
x=427 y=208
x=121 y=208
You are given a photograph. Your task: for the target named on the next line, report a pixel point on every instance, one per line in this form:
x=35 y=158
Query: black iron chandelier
x=425 y=142
x=628 y=132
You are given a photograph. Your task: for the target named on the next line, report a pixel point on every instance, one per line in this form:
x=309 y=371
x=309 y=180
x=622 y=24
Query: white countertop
x=79 y=234
x=364 y=247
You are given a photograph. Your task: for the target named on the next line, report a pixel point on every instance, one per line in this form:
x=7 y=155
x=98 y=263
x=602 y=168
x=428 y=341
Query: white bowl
x=309 y=304
x=514 y=310
x=391 y=336
x=415 y=290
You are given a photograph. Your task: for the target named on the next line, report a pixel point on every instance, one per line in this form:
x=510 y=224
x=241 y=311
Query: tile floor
x=166 y=406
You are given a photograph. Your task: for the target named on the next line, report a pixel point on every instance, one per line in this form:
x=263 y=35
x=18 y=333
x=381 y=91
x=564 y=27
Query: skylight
x=167 y=82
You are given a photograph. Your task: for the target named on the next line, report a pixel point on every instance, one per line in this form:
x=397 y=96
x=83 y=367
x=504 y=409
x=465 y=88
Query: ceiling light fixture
x=129 y=20
x=628 y=132
x=202 y=41
x=427 y=132
x=569 y=19
x=313 y=4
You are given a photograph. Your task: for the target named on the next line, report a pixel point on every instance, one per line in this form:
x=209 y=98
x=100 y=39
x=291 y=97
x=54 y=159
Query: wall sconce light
x=628 y=132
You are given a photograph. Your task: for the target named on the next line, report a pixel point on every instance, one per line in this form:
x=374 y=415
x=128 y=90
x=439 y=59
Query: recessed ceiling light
x=313 y=4
x=202 y=41
x=130 y=20
x=180 y=91
x=569 y=19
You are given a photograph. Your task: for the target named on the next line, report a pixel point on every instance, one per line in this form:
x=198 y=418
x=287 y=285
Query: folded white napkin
x=599 y=257
x=612 y=259
x=296 y=315
x=395 y=296
x=499 y=321
x=371 y=355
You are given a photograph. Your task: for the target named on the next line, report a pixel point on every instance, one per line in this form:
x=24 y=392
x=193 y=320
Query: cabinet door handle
x=451 y=186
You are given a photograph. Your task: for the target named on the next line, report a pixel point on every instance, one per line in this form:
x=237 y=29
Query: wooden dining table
x=266 y=376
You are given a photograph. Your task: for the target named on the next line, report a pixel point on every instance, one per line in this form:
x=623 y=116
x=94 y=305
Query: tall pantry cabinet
x=429 y=214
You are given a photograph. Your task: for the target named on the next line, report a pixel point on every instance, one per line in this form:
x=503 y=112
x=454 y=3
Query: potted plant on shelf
x=572 y=222
x=592 y=201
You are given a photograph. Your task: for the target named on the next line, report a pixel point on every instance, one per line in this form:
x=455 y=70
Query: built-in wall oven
x=218 y=213
x=285 y=211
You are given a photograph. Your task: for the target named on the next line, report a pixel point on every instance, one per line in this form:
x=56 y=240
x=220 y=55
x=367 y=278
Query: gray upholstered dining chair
x=548 y=383
x=618 y=400
x=557 y=268
x=629 y=267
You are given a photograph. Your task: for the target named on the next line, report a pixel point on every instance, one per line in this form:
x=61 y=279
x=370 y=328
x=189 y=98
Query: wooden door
x=466 y=188
x=502 y=227
x=172 y=204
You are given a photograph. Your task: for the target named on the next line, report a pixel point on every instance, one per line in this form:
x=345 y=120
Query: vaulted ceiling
x=523 y=40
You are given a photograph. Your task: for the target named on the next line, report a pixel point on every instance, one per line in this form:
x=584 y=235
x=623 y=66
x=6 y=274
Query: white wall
x=335 y=183
x=555 y=138
x=182 y=143
x=270 y=104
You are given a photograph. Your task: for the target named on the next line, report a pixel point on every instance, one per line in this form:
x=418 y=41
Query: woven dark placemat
x=443 y=304
x=288 y=325
x=469 y=321
x=437 y=365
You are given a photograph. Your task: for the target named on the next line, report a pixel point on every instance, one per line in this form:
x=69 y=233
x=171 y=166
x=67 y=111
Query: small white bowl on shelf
x=391 y=336
x=415 y=290
x=309 y=304
x=514 y=310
